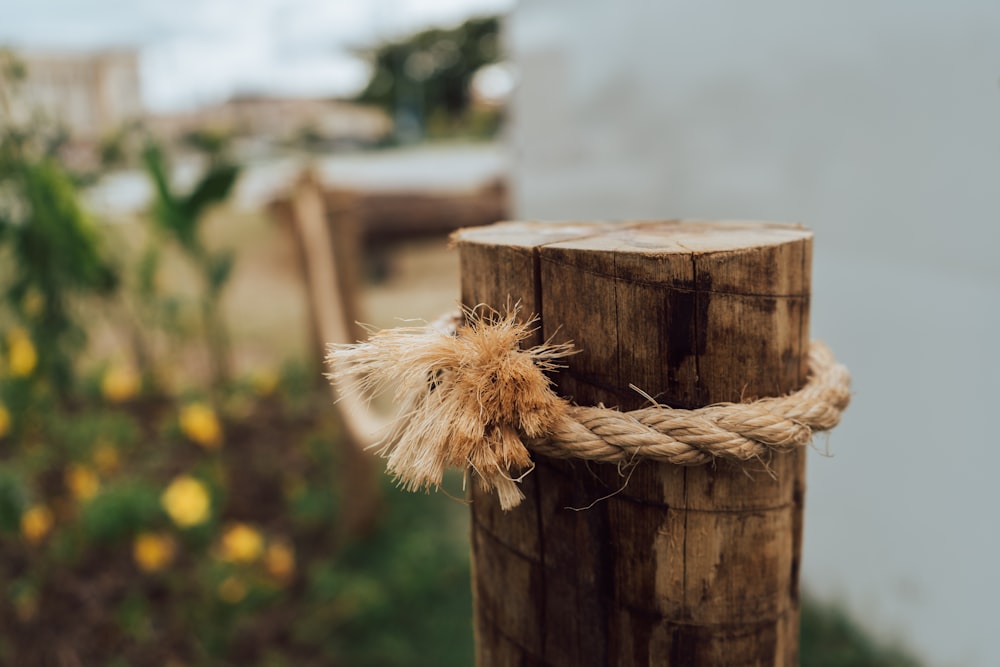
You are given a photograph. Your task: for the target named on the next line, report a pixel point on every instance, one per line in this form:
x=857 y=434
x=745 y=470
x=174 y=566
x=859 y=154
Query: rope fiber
x=734 y=431
x=473 y=399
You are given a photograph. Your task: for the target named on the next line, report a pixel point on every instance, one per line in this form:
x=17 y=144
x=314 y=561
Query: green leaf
x=168 y=208
x=147 y=268
x=152 y=158
x=13 y=500
x=214 y=187
x=219 y=269
x=119 y=512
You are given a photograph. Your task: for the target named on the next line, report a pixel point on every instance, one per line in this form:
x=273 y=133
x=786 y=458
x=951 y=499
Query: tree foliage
x=432 y=69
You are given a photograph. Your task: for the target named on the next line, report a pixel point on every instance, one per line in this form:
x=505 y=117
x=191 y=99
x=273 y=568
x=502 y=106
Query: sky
x=194 y=52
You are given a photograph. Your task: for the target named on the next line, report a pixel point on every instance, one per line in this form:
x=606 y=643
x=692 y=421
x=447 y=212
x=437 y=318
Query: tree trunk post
x=654 y=564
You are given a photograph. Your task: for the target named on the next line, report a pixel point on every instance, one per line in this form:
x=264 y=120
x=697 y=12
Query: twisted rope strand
x=734 y=431
x=476 y=400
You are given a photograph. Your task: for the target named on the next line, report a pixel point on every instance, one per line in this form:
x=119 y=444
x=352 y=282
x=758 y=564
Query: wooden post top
x=715 y=276
x=643 y=237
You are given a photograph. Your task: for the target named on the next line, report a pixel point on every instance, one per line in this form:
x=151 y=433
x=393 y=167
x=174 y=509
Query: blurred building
x=90 y=95
x=281 y=120
x=93 y=96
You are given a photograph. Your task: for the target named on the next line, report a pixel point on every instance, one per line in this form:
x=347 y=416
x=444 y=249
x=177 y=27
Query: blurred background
x=195 y=195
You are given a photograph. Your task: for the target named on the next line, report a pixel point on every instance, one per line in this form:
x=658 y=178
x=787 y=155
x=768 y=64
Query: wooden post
x=329 y=253
x=656 y=564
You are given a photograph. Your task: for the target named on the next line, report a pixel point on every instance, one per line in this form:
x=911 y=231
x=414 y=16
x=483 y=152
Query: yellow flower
x=36 y=523
x=232 y=589
x=4 y=420
x=199 y=423
x=82 y=482
x=241 y=543
x=105 y=457
x=153 y=551
x=279 y=560
x=187 y=502
x=120 y=383
x=21 y=351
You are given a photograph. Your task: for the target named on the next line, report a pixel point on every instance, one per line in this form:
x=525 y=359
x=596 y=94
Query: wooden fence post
x=654 y=564
x=329 y=252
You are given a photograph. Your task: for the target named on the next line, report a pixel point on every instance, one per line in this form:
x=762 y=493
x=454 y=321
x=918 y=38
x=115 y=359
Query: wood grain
x=653 y=564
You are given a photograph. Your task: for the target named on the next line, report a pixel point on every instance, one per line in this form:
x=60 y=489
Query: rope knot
x=469 y=394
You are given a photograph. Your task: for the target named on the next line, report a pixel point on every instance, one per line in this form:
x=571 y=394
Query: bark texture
x=653 y=564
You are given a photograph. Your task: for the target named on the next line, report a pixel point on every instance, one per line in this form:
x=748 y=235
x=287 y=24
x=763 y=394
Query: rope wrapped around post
x=473 y=399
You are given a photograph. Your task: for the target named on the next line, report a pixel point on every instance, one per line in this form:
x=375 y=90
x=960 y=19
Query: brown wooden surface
x=329 y=250
x=679 y=566
x=386 y=216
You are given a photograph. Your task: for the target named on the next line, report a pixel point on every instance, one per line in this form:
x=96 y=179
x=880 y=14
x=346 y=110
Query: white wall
x=878 y=125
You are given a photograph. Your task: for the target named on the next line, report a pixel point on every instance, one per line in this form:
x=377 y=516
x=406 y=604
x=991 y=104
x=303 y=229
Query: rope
x=475 y=400
x=734 y=431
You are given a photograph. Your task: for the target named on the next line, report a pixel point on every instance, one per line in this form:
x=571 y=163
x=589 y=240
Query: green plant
x=13 y=501
x=179 y=216
x=50 y=250
x=829 y=637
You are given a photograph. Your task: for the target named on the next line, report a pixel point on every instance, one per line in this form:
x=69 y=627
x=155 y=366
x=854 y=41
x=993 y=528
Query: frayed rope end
x=467 y=399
